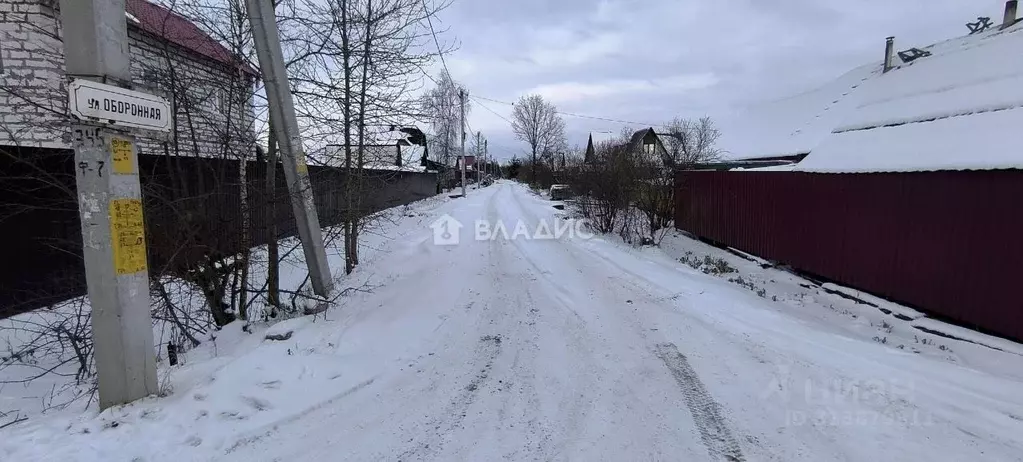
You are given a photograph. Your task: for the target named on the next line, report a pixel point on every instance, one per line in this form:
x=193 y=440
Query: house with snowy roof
x=905 y=180
x=210 y=87
x=641 y=141
x=384 y=150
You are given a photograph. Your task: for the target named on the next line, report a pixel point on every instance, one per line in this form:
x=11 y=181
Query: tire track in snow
x=706 y=412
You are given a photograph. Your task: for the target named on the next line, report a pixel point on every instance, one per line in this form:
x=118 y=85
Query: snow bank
x=831 y=306
x=213 y=403
x=285 y=329
x=962 y=333
x=885 y=306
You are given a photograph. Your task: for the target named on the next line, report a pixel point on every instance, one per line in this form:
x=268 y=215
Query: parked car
x=560 y=192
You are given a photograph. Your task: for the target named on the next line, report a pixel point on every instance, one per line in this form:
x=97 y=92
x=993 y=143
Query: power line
x=435 y=41
x=487 y=108
x=571 y=114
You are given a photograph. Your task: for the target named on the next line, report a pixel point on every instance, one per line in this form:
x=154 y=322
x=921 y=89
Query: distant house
x=642 y=142
x=394 y=149
x=910 y=184
x=470 y=164
x=212 y=89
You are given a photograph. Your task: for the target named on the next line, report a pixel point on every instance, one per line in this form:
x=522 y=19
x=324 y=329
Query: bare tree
x=537 y=122
x=689 y=142
x=442 y=108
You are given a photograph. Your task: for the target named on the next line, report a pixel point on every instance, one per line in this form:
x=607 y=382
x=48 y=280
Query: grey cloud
x=616 y=58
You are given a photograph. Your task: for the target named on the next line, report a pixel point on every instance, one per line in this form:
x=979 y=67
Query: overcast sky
x=650 y=60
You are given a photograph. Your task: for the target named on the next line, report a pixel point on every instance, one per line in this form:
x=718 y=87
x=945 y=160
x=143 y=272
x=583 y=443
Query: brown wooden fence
x=193 y=209
x=947 y=243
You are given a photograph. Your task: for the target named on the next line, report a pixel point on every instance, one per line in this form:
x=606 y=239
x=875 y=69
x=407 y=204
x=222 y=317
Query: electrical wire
x=436 y=42
x=488 y=109
x=571 y=114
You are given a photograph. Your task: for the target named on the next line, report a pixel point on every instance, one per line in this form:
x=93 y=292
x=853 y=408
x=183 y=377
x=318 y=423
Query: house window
x=223 y=102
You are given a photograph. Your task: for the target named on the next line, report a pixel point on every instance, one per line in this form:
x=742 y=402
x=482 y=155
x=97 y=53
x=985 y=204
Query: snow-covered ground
x=566 y=349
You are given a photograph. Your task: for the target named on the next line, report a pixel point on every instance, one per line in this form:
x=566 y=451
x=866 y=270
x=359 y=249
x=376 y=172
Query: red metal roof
x=161 y=22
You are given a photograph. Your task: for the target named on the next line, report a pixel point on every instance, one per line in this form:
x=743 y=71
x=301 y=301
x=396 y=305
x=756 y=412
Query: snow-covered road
x=577 y=349
x=568 y=349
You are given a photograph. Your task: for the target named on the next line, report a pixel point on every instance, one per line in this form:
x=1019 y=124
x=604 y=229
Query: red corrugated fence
x=947 y=243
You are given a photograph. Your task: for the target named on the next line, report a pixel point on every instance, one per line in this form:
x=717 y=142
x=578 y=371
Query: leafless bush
x=606 y=186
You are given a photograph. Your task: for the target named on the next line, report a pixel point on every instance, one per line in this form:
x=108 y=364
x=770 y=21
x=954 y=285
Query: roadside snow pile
x=961 y=333
x=886 y=307
x=232 y=388
x=46 y=365
x=849 y=311
x=285 y=329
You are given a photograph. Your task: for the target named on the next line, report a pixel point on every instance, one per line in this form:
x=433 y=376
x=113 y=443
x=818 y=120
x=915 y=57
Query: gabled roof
x=161 y=22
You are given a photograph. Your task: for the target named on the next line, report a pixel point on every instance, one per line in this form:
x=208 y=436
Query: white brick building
x=210 y=88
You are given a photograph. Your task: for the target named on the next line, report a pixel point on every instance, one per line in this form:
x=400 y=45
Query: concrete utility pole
x=490 y=168
x=461 y=102
x=480 y=159
x=282 y=110
x=110 y=204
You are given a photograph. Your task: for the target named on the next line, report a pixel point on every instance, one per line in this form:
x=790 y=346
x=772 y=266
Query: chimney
x=889 y=54
x=1010 y=14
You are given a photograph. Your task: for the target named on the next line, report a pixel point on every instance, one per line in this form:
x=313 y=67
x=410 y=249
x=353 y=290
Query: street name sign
x=118 y=106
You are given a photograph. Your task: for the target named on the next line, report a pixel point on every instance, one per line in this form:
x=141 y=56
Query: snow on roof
x=954 y=110
x=792 y=125
x=384 y=153
x=770 y=168
x=394 y=168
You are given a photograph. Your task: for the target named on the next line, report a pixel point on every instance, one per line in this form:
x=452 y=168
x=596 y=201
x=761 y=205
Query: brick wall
x=213 y=103
x=33 y=98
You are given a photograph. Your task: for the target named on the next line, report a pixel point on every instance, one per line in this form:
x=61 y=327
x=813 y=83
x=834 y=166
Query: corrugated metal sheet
x=948 y=243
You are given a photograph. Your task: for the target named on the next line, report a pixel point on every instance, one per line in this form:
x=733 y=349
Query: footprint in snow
x=258 y=404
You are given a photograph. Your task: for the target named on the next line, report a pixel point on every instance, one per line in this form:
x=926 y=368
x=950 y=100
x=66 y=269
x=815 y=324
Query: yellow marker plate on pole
x=127 y=236
x=123 y=160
